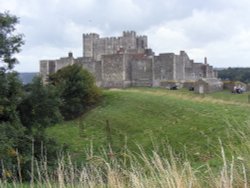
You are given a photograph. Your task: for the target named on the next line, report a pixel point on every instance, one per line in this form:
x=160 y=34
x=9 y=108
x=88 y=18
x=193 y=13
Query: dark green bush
x=77 y=90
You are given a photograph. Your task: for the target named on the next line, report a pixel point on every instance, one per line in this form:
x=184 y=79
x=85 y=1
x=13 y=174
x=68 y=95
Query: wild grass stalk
x=139 y=170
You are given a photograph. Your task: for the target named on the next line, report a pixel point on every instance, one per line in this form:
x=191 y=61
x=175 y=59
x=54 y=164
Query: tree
x=10 y=86
x=77 y=90
x=10 y=96
x=38 y=110
x=23 y=115
x=40 y=107
x=12 y=131
x=11 y=93
x=235 y=74
x=10 y=43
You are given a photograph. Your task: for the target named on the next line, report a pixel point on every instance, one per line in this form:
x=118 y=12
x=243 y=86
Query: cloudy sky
x=217 y=29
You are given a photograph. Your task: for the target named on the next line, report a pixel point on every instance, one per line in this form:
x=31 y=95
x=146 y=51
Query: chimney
x=70 y=54
x=205 y=60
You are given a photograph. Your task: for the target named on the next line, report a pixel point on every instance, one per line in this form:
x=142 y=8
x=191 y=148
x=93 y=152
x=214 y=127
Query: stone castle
x=125 y=61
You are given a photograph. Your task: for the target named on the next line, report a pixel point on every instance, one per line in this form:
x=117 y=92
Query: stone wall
x=63 y=62
x=198 y=70
x=179 y=68
x=207 y=85
x=94 y=67
x=87 y=64
x=113 y=71
x=51 y=66
x=210 y=72
x=189 y=73
x=98 y=73
x=142 y=74
x=44 y=71
x=187 y=66
x=164 y=66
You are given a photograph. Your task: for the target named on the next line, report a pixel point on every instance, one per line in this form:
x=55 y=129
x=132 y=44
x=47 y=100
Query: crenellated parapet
x=91 y=35
x=129 y=34
x=95 y=47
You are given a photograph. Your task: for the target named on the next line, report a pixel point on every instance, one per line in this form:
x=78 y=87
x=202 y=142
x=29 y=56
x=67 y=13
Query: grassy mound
x=191 y=124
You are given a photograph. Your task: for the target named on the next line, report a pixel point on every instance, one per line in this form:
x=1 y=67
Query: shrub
x=77 y=90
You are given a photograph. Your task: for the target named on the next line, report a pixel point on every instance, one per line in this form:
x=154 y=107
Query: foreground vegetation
x=142 y=169
x=201 y=141
x=26 y=111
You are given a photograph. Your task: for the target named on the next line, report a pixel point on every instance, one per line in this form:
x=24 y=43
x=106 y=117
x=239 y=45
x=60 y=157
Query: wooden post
x=108 y=132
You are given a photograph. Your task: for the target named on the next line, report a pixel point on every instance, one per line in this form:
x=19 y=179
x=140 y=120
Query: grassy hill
x=154 y=118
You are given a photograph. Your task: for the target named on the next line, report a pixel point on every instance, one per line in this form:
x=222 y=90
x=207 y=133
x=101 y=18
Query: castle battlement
x=95 y=35
x=95 y=47
x=129 y=34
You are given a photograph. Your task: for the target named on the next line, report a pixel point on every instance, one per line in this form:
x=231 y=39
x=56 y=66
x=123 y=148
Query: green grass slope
x=149 y=117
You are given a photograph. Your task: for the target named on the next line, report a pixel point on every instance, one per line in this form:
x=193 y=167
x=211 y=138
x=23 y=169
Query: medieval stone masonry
x=125 y=61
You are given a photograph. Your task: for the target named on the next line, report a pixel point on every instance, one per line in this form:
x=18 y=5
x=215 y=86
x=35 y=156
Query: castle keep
x=127 y=61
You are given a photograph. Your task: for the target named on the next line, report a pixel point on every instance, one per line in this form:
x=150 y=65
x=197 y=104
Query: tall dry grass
x=141 y=170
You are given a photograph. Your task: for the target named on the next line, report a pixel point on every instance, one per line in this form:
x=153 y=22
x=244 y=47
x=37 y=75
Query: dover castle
x=125 y=61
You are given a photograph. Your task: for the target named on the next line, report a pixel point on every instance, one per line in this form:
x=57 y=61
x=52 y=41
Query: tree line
x=26 y=110
x=235 y=74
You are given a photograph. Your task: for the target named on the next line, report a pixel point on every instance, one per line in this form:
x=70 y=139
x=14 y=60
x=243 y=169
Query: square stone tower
x=94 y=46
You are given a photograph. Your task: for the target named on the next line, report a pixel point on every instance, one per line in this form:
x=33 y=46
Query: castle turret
x=88 y=44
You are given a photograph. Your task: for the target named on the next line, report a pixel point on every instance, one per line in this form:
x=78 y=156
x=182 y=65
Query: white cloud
x=217 y=29
x=233 y=52
x=166 y=39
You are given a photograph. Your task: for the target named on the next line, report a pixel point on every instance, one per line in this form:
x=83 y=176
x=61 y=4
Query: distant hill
x=26 y=77
x=220 y=68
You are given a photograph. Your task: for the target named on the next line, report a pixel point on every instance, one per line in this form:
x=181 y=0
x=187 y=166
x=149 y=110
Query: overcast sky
x=217 y=29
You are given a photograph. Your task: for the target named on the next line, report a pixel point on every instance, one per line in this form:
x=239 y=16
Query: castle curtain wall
x=63 y=62
x=142 y=74
x=113 y=71
x=164 y=67
x=189 y=73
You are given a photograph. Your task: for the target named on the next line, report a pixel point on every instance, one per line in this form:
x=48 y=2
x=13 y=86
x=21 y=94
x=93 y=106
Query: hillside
x=157 y=117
